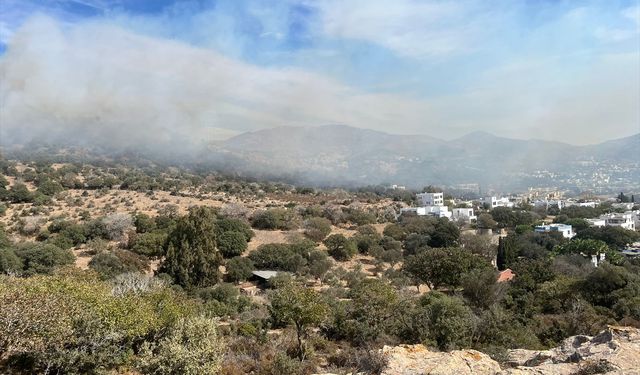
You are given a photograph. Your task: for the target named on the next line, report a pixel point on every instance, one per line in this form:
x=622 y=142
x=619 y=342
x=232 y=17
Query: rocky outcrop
x=614 y=351
x=417 y=359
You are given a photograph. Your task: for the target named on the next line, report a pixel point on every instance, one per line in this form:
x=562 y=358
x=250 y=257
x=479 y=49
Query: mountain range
x=348 y=156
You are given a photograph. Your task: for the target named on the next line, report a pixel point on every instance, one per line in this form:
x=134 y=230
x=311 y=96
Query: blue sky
x=559 y=70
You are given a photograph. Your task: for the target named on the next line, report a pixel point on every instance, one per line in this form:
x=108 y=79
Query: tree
x=615 y=237
x=480 y=287
x=192 y=346
x=485 y=221
x=340 y=247
x=479 y=245
x=239 y=268
x=373 y=304
x=623 y=198
x=116 y=225
x=275 y=218
x=277 y=257
x=300 y=306
x=319 y=264
x=232 y=244
x=192 y=258
x=442 y=267
x=149 y=244
x=507 y=252
x=446 y=234
x=235 y=225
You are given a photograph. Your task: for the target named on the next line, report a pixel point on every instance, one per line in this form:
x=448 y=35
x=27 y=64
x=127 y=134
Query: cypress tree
x=192 y=257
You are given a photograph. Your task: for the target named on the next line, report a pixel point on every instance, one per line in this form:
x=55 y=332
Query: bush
x=109 y=264
x=73 y=323
x=192 y=346
x=144 y=223
x=149 y=244
x=116 y=225
x=317 y=228
x=43 y=258
x=239 y=268
x=276 y=218
x=340 y=247
x=10 y=263
x=235 y=225
x=279 y=257
x=232 y=244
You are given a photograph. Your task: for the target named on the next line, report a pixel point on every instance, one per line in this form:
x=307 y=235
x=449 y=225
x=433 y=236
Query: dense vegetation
x=162 y=292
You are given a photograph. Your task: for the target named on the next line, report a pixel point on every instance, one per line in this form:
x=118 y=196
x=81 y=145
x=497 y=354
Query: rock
x=417 y=359
x=614 y=351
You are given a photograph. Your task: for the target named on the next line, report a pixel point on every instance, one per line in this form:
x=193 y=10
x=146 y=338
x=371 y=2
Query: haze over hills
x=343 y=155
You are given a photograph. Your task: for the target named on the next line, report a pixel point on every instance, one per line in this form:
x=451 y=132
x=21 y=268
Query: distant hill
x=343 y=155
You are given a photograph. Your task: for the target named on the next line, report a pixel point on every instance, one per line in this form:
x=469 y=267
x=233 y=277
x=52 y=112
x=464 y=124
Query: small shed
x=262 y=277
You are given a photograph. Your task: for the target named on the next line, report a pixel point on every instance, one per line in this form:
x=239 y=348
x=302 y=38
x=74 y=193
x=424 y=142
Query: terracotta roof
x=506 y=275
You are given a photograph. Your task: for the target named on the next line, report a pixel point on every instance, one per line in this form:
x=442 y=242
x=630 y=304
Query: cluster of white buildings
x=432 y=204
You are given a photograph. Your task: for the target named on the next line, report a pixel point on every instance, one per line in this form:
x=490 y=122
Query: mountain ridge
x=344 y=155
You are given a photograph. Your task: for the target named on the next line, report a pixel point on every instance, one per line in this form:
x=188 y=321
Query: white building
x=437 y=211
x=431 y=199
x=494 y=202
x=625 y=220
x=565 y=229
x=465 y=214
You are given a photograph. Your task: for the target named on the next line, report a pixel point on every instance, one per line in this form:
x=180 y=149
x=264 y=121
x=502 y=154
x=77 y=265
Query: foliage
x=300 y=306
x=192 y=258
x=275 y=218
x=317 y=228
x=239 y=268
x=442 y=267
x=616 y=237
x=192 y=347
x=232 y=244
x=149 y=244
x=72 y=323
x=10 y=263
x=111 y=264
x=234 y=225
x=340 y=247
x=281 y=257
x=42 y=258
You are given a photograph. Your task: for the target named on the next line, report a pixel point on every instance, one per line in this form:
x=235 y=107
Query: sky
x=161 y=71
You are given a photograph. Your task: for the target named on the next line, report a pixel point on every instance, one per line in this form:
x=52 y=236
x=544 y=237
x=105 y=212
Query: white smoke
x=93 y=82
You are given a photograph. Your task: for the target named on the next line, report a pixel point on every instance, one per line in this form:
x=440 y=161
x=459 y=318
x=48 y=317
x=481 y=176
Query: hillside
x=336 y=154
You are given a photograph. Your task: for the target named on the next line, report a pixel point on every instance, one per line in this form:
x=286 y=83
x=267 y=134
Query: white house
x=437 y=211
x=494 y=202
x=431 y=199
x=465 y=214
x=565 y=229
x=625 y=220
